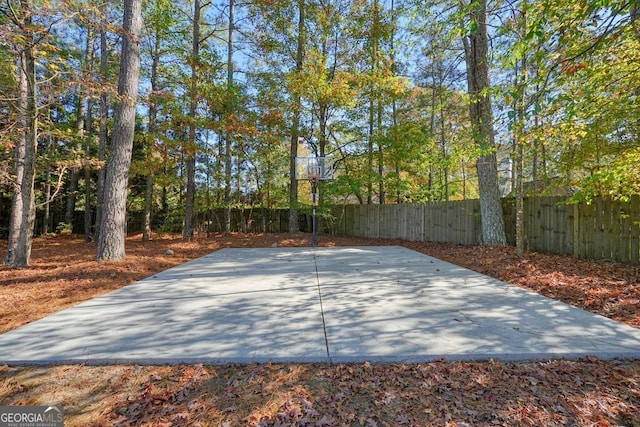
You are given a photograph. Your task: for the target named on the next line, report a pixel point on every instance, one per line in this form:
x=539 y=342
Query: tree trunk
x=382 y=198
x=228 y=136
x=518 y=130
x=111 y=244
x=104 y=115
x=48 y=190
x=635 y=18
x=190 y=154
x=47 y=205
x=394 y=107
x=370 y=152
x=23 y=208
x=153 y=114
x=371 y=88
x=635 y=23
x=294 y=224
x=481 y=115
x=85 y=131
x=72 y=192
x=87 y=175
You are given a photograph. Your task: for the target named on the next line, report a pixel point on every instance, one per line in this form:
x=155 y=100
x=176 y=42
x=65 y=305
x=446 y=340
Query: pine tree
x=111 y=242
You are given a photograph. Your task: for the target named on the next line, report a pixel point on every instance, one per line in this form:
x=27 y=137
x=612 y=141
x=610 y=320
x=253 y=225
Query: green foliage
x=380 y=90
x=64 y=228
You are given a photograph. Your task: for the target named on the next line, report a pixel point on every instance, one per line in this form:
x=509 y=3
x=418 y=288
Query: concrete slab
x=335 y=305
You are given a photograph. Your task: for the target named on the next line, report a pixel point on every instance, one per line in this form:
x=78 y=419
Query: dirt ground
x=64 y=272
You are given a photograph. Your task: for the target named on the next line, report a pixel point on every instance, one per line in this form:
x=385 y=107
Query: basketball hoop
x=314 y=170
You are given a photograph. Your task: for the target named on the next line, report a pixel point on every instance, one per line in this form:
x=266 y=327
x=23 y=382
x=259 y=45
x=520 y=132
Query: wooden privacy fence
x=605 y=229
x=257 y=220
x=453 y=222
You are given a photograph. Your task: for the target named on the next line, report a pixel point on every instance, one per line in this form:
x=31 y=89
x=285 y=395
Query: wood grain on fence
x=605 y=229
x=634 y=230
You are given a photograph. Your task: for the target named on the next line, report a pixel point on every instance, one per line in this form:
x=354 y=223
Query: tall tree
x=477 y=59
x=111 y=242
x=23 y=208
x=229 y=114
x=295 y=123
x=280 y=29
x=103 y=116
x=191 y=147
x=157 y=21
x=150 y=143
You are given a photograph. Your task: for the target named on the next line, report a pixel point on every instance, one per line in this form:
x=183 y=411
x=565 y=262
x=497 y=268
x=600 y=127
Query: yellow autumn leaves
x=320 y=83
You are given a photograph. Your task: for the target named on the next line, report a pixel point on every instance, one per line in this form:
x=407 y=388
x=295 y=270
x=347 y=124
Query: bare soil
x=64 y=272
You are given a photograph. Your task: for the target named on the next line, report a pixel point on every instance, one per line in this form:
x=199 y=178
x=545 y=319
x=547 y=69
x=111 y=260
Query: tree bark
x=518 y=130
x=228 y=136
x=104 y=115
x=372 y=97
x=294 y=224
x=23 y=207
x=84 y=132
x=481 y=115
x=111 y=243
x=190 y=149
x=87 y=174
x=635 y=18
x=47 y=204
x=153 y=114
x=72 y=191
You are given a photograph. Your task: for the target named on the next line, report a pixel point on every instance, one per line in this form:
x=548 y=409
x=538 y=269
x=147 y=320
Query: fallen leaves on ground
x=586 y=392
x=578 y=393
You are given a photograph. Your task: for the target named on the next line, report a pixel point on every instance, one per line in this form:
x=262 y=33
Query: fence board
x=452 y=230
x=607 y=233
x=560 y=226
x=589 y=231
x=509 y=216
x=625 y=232
x=403 y=224
x=372 y=227
x=439 y=216
x=415 y=214
x=598 y=229
x=575 y=231
x=354 y=227
x=388 y=221
x=616 y=230
x=363 y=218
x=426 y=228
x=532 y=224
x=634 y=246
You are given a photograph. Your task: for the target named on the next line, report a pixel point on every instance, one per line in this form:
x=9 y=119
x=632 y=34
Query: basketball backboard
x=314 y=168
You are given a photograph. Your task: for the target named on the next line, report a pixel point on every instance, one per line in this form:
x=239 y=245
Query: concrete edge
x=215 y=361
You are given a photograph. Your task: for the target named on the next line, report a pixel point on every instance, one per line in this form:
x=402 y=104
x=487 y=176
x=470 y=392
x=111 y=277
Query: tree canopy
x=230 y=93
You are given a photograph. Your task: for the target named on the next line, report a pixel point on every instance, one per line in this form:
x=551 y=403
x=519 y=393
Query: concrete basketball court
x=342 y=304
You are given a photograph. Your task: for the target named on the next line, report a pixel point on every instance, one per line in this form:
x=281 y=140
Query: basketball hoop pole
x=314 y=170
x=314 y=191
